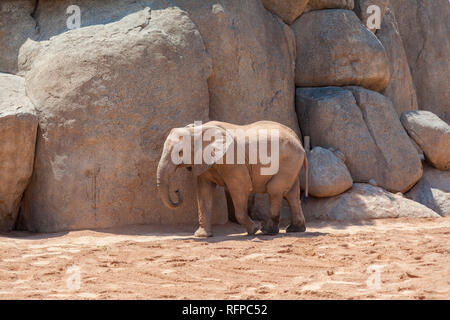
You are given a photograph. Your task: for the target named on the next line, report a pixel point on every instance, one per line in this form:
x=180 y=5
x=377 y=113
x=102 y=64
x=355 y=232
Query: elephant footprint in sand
x=238 y=159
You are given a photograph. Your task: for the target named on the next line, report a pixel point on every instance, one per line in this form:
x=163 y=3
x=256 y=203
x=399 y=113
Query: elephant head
x=184 y=148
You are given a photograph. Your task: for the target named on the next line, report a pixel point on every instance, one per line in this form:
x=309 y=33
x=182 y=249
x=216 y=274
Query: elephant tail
x=305 y=165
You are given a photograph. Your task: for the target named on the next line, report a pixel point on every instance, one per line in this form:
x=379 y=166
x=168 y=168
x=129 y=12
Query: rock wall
x=105 y=96
x=424 y=26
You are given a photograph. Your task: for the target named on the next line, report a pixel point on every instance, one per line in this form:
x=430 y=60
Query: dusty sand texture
x=329 y=261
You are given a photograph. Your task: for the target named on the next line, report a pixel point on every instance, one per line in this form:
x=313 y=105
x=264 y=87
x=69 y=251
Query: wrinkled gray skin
x=239 y=180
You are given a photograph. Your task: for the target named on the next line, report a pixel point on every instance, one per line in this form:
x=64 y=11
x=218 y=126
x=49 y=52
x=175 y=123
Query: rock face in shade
x=16 y=26
x=367 y=14
x=400 y=88
x=365 y=202
x=18 y=125
x=433 y=190
x=107 y=96
x=288 y=10
x=425 y=29
x=329 y=4
x=364 y=126
x=328 y=176
x=335 y=49
x=432 y=134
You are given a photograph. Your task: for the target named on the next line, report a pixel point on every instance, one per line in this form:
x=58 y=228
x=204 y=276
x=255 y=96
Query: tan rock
x=400 y=88
x=252 y=51
x=328 y=176
x=329 y=4
x=18 y=125
x=253 y=59
x=424 y=26
x=288 y=10
x=364 y=126
x=432 y=134
x=107 y=96
x=364 y=202
x=334 y=49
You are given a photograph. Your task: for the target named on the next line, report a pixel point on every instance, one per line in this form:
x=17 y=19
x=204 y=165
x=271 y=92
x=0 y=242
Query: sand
x=382 y=259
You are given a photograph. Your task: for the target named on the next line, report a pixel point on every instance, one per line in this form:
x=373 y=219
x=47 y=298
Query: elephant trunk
x=165 y=170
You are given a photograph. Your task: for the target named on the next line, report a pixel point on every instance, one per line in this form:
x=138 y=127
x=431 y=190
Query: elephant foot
x=270 y=230
x=202 y=233
x=254 y=229
x=293 y=228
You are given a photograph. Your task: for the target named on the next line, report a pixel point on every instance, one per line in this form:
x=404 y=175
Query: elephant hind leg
x=297 y=218
x=230 y=207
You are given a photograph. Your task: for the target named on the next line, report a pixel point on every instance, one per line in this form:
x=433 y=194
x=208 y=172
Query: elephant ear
x=215 y=142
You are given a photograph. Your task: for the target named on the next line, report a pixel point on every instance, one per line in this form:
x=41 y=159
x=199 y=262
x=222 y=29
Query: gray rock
x=329 y=4
x=252 y=51
x=328 y=176
x=335 y=49
x=16 y=26
x=400 y=88
x=18 y=126
x=107 y=96
x=433 y=190
x=424 y=26
x=432 y=134
x=364 y=126
x=288 y=10
x=364 y=202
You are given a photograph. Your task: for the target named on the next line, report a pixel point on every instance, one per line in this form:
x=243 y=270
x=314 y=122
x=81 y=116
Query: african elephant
x=233 y=165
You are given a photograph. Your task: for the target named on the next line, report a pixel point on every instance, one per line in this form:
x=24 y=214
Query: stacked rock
x=105 y=96
x=353 y=83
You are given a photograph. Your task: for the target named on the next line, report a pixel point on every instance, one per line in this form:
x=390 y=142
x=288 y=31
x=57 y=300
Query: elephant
x=234 y=167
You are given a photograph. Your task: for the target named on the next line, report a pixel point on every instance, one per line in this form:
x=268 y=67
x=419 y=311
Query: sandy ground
x=384 y=259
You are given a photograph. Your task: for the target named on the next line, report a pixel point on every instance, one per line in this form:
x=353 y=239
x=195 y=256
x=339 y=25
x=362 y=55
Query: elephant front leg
x=205 y=190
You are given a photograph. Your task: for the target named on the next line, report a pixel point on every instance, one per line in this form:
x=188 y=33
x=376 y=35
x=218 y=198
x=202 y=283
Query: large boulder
x=364 y=126
x=252 y=51
x=364 y=202
x=18 y=126
x=328 y=176
x=16 y=26
x=368 y=17
x=107 y=96
x=433 y=190
x=425 y=29
x=329 y=4
x=253 y=59
x=335 y=49
x=432 y=134
x=288 y=10
x=400 y=88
